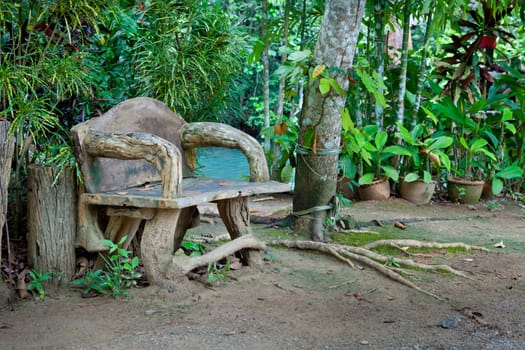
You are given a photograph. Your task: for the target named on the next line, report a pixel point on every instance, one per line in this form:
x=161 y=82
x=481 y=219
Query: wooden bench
x=137 y=162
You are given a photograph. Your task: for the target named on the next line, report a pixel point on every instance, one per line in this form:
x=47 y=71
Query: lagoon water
x=222 y=163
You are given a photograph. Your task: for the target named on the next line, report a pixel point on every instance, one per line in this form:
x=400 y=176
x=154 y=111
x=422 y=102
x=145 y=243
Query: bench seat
x=195 y=191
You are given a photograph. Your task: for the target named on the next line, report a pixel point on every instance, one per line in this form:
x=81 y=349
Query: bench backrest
x=141 y=114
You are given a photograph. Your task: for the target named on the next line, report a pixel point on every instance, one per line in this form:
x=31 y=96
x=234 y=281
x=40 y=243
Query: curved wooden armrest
x=206 y=134
x=134 y=145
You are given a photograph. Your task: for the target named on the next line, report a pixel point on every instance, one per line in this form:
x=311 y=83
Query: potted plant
x=422 y=152
x=497 y=172
x=367 y=146
x=465 y=185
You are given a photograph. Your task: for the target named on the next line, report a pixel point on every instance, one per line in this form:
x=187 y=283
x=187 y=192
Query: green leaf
x=391 y=172
x=346 y=121
x=488 y=153
x=427 y=177
x=122 y=240
x=430 y=115
x=297 y=56
x=506 y=115
x=411 y=177
x=373 y=86
x=135 y=262
x=366 y=179
x=397 y=150
x=381 y=139
x=440 y=143
x=478 y=144
x=404 y=134
x=335 y=85
x=464 y=143
x=511 y=172
x=308 y=137
x=497 y=185
x=324 y=86
x=107 y=243
x=347 y=166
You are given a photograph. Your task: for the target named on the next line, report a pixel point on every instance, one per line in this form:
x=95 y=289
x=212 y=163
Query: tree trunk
x=276 y=170
x=421 y=71
x=6 y=155
x=320 y=122
x=379 y=29
x=404 y=64
x=52 y=220
x=266 y=72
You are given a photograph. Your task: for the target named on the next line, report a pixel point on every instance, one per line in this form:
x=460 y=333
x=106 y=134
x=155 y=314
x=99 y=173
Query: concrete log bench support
x=137 y=161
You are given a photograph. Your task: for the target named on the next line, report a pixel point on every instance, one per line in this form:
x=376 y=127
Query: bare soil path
x=303 y=300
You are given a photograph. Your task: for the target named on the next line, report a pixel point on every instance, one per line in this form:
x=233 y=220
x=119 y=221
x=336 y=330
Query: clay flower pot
x=377 y=190
x=418 y=191
x=464 y=191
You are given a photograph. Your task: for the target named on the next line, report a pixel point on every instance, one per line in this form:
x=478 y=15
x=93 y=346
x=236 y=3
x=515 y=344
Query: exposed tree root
x=380 y=263
x=396 y=243
x=187 y=264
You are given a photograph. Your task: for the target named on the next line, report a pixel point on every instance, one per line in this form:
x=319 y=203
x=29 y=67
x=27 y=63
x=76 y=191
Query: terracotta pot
x=464 y=191
x=377 y=190
x=343 y=186
x=418 y=191
x=487 y=191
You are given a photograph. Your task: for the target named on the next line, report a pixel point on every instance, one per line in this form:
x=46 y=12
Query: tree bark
x=52 y=220
x=379 y=28
x=317 y=163
x=7 y=145
x=404 y=64
x=266 y=72
x=276 y=169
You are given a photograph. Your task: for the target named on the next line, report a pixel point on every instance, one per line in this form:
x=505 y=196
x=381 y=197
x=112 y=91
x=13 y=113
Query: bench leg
x=236 y=217
x=120 y=226
x=162 y=236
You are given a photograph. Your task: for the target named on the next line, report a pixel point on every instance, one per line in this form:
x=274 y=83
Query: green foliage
x=420 y=151
x=119 y=273
x=186 y=55
x=38 y=279
x=367 y=147
x=194 y=249
x=216 y=273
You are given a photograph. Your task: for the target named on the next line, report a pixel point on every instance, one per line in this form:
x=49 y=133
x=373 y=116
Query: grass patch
x=359 y=239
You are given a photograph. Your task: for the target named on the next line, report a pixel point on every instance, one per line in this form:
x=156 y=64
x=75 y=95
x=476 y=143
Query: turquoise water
x=222 y=163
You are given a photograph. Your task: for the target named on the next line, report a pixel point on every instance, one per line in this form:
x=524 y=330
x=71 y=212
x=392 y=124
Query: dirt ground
x=304 y=300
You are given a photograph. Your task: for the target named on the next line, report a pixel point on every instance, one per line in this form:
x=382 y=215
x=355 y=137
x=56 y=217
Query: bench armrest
x=206 y=134
x=134 y=145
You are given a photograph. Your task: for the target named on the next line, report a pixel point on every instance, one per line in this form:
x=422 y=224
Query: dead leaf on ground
x=500 y=244
x=21 y=285
x=400 y=225
x=474 y=315
x=356 y=295
x=224 y=184
x=82 y=266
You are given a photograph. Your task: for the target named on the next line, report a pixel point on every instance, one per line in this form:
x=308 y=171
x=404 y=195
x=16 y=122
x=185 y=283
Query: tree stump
x=52 y=220
x=6 y=155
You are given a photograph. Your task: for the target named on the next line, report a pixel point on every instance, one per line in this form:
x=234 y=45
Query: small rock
x=363 y=342
x=450 y=322
x=150 y=312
